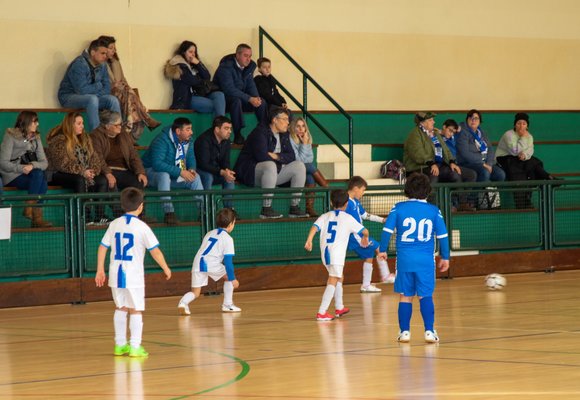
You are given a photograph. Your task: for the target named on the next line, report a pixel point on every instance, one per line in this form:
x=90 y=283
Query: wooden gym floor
x=522 y=342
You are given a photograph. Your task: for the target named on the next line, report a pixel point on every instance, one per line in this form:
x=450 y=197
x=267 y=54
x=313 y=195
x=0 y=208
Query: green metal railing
x=306 y=77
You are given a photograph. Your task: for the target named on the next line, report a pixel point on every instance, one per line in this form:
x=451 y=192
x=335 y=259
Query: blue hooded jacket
x=82 y=78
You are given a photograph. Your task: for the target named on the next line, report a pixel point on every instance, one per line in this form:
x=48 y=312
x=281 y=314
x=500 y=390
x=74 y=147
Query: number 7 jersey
x=335 y=228
x=128 y=238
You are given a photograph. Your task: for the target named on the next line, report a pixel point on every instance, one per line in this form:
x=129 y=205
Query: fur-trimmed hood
x=172 y=69
x=17 y=133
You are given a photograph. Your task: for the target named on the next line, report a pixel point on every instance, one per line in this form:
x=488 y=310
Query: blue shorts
x=411 y=284
x=363 y=252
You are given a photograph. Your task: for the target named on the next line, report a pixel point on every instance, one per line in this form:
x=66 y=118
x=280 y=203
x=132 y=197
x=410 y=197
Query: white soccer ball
x=495 y=281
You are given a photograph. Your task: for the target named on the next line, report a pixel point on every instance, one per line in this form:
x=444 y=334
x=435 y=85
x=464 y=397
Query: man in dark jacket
x=212 y=155
x=268 y=160
x=235 y=77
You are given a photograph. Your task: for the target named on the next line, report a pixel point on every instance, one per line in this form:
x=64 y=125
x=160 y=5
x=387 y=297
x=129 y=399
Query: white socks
x=338 y=304
x=384 y=268
x=367 y=273
x=326 y=298
x=228 y=293
x=136 y=327
x=187 y=298
x=120 y=323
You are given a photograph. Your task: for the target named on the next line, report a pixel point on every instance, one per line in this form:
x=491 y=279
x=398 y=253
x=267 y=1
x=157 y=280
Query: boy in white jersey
x=356 y=189
x=417 y=224
x=335 y=227
x=129 y=238
x=214 y=259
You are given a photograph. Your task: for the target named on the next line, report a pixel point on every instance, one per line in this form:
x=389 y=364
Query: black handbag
x=28 y=158
x=206 y=87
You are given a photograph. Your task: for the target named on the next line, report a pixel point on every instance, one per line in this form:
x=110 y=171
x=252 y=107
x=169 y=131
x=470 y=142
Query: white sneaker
x=183 y=309
x=404 y=337
x=431 y=336
x=370 y=289
x=230 y=308
x=389 y=279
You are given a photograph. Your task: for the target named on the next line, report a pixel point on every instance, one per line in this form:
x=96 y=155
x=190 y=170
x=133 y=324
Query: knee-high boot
x=319 y=178
x=310 y=203
x=27 y=212
x=37 y=220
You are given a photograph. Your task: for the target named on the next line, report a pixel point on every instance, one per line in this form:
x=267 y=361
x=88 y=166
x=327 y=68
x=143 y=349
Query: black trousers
x=79 y=184
x=523 y=170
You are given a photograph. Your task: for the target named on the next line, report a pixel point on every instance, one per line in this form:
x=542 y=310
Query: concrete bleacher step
x=340 y=170
x=328 y=153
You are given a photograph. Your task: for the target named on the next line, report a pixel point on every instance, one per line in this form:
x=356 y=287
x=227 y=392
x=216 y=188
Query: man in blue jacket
x=170 y=163
x=268 y=160
x=86 y=84
x=235 y=77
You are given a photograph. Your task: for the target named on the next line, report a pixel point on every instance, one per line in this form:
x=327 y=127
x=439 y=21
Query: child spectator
x=215 y=259
x=335 y=228
x=417 y=224
x=128 y=237
x=356 y=189
x=266 y=84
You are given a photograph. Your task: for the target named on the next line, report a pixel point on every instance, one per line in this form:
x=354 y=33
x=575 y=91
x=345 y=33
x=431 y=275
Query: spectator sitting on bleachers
x=133 y=111
x=212 y=155
x=23 y=163
x=267 y=160
x=192 y=86
x=425 y=152
x=301 y=142
x=515 y=153
x=74 y=162
x=475 y=151
x=170 y=163
x=86 y=84
x=266 y=84
x=235 y=77
x=123 y=167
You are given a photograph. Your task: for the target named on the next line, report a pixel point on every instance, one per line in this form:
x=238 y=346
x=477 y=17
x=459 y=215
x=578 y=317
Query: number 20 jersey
x=128 y=238
x=417 y=223
x=335 y=228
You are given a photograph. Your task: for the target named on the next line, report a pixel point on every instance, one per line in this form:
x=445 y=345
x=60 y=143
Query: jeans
x=310 y=169
x=208 y=179
x=34 y=182
x=92 y=104
x=483 y=175
x=214 y=102
x=164 y=183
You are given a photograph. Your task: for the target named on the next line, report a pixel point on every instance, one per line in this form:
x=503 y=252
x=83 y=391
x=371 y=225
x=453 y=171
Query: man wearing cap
x=425 y=152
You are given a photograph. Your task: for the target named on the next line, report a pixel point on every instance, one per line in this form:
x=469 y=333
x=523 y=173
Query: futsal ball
x=495 y=281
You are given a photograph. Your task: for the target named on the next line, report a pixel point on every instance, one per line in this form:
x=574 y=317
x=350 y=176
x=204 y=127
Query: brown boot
x=310 y=203
x=152 y=123
x=27 y=212
x=37 y=221
x=319 y=178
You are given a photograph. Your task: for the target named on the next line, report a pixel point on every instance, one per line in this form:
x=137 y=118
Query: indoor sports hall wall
x=369 y=54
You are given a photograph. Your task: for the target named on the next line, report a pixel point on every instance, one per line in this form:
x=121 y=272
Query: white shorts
x=335 y=270
x=199 y=279
x=129 y=297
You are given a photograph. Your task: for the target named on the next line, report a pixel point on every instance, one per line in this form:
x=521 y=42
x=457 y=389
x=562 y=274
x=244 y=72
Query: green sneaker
x=138 y=352
x=122 y=350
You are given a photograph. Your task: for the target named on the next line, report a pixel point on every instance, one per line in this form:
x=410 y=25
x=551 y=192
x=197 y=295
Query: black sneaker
x=296 y=212
x=269 y=213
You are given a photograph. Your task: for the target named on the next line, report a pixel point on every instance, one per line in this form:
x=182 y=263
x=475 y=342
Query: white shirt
x=335 y=228
x=215 y=245
x=128 y=238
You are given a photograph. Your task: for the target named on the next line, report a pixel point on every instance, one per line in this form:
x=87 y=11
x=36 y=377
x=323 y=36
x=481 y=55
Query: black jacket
x=210 y=155
x=268 y=91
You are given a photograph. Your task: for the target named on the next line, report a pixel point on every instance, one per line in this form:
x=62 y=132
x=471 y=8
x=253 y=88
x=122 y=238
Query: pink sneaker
x=324 y=317
x=340 y=313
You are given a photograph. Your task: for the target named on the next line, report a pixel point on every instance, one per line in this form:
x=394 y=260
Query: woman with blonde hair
x=301 y=141
x=74 y=162
x=134 y=112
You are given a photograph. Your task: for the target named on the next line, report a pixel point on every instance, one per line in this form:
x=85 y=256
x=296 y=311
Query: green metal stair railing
x=306 y=77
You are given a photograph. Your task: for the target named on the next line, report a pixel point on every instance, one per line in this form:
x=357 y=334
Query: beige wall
x=369 y=54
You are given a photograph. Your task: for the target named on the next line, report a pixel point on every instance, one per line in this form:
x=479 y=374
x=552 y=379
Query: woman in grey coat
x=23 y=162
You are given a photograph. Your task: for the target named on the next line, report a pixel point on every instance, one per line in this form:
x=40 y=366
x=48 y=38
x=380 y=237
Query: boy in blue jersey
x=335 y=228
x=214 y=259
x=129 y=238
x=417 y=224
x=356 y=189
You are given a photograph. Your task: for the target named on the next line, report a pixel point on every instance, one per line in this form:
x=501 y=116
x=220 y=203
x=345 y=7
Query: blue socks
x=405 y=312
x=428 y=312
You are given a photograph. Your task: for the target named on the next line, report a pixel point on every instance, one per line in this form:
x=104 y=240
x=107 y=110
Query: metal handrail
x=306 y=77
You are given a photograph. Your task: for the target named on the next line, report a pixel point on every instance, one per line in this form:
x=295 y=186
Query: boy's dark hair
x=451 y=123
x=219 y=121
x=131 y=199
x=262 y=60
x=179 y=123
x=418 y=186
x=338 y=198
x=225 y=217
x=357 y=182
